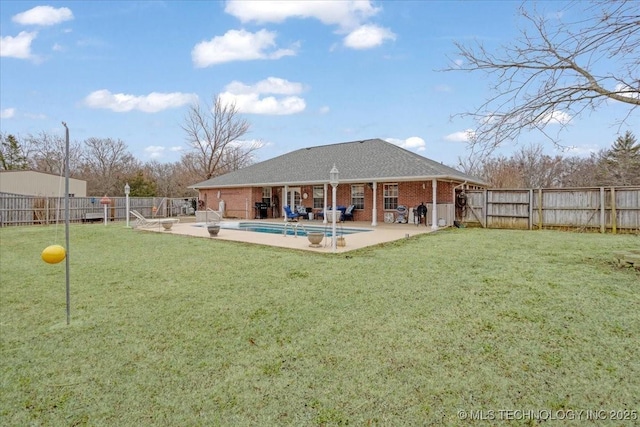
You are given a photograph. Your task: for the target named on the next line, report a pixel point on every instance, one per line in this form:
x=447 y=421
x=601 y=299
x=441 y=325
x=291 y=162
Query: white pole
x=66 y=218
x=105 y=213
x=126 y=194
x=333 y=180
x=324 y=207
x=374 y=213
x=434 y=211
x=285 y=200
x=333 y=219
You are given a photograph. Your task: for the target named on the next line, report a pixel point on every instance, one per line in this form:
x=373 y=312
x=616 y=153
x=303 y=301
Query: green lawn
x=182 y=331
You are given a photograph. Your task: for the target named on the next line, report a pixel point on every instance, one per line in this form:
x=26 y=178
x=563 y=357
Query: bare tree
x=531 y=168
x=582 y=171
x=47 y=153
x=554 y=71
x=213 y=135
x=538 y=170
x=105 y=163
x=170 y=179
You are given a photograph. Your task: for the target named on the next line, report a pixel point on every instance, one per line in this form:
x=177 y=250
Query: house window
x=390 y=196
x=266 y=195
x=318 y=196
x=357 y=196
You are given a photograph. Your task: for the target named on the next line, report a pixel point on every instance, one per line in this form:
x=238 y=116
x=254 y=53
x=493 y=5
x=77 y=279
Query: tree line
x=213 y=136
x=529 y=167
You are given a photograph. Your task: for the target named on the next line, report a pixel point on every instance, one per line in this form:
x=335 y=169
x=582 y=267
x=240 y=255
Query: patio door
x=294 y=198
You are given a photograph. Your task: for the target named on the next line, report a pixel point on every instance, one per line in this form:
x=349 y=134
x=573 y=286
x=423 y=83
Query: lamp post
x=127 y=190
x=333 y=180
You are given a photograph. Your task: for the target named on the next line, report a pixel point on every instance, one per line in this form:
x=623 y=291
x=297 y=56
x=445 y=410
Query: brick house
x=374 y=175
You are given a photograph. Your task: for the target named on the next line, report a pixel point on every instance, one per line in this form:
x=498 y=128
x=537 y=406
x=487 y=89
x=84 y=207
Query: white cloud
x=414 y=143
x=350 y=16
x=44 y=16
x=249 y=99
x=270 y=105
x=347 y=14
x=238 y=45
x=154 y=151
x=269 y=85
x=368 y=36
x=176 y=149
x=152 y=103
x=7 y=113
x=555 y=117
x=462 y=136
x=324 y=110
x=18 y=46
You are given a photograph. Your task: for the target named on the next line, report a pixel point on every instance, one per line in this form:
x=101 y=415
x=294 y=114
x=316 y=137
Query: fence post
x=530 y=209
x=539 y=208
x=614 y=222
x=603 y=226
x=484 y=209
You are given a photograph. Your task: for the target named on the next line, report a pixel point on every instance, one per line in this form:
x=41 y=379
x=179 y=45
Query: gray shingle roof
x=358 y=161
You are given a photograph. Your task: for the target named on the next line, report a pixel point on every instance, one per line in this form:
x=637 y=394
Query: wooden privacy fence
x=16 y=209
x=613 y=209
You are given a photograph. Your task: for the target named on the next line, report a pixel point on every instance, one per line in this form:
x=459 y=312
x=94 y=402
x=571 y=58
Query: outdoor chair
x=348 y=213
x=142 y=221
x=289 y=214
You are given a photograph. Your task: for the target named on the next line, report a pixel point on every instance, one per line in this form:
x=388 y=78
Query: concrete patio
x=382 y=233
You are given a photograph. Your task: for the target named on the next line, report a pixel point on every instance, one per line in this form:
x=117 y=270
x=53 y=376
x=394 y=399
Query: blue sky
x=302 y=73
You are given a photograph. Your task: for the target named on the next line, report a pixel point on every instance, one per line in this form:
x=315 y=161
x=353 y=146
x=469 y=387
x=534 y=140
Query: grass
x=174 y=330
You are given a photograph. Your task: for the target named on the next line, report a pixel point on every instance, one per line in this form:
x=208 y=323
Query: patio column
x=434 y=211
x=324 y=207
x=374 y=212
x=285 y=195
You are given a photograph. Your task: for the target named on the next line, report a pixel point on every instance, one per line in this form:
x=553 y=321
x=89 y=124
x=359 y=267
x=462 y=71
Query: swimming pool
x=291 y=229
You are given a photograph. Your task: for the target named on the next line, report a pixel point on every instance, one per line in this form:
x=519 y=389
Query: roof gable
x=357 y=161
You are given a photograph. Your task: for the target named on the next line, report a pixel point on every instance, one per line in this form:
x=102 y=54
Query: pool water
x=274 y=228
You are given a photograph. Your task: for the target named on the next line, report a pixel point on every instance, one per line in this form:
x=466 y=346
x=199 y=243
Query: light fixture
x=333 y=176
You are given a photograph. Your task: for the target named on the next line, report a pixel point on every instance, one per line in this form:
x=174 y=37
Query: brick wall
x=239 y=202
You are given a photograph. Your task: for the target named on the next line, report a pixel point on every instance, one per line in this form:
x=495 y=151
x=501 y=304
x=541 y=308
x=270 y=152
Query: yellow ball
x=53 y=254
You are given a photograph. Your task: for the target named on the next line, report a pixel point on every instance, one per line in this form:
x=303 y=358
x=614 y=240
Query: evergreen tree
x=622 y=161
x=11 y=154
x=142 y=186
